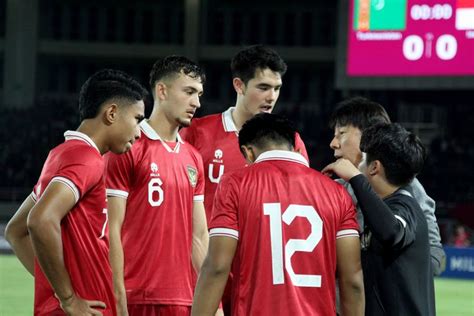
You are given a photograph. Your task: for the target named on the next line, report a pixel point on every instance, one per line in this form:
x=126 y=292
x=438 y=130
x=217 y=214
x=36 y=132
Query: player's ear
x=110 y=113
x=161 y=91
x=248 y=153
x=375 y=167
x=239 y=85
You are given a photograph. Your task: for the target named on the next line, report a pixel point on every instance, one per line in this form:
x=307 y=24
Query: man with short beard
x=156 y=191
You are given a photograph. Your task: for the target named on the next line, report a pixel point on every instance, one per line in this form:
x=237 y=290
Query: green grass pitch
x=453 y=297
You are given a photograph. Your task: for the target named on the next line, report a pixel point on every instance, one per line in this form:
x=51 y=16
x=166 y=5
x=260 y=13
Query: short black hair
x=107 y=84
x=266 y=129
x=359 y=112
x=401 y=152
x=248 y=60
x=174 y=65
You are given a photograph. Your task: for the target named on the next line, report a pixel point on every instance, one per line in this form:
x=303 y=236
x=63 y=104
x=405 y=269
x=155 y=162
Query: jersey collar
x=228 y=122
x=75 y=135
x=282 y=155
x=152 y=134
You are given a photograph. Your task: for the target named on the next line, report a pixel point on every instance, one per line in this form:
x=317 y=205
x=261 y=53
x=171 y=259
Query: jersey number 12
x=273 y=210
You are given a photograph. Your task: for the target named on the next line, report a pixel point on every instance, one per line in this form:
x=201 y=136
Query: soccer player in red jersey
x=158 y=228
x=59 y=233
x=285 y=230
x=257 y=78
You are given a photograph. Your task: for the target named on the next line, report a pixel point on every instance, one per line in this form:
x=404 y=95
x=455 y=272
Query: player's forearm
x=16 y=233
x=47 y=245
x=117 y=208
x=23 y=249
x=352 y=295
x=209 y=289
x=117 y=263
x=199 y=249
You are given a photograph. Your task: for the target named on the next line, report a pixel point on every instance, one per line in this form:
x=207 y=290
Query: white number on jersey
x=273 y=210
x=155 y=186
x=104 y=211
x=211 y=173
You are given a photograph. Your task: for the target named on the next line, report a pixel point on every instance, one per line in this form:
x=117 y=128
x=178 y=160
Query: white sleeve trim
x=117 y=193
x=402 y=220
x=70 y=185
x=198 y=198
x=347 y=233
x=224 y=232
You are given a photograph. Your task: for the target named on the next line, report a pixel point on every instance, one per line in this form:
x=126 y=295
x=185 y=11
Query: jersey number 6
x=155 y=186
x=273 y=210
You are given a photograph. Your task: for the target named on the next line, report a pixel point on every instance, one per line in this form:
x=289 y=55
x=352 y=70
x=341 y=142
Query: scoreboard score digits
x=411 y=38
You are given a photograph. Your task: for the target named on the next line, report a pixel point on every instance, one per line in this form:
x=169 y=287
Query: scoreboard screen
x=410 y=38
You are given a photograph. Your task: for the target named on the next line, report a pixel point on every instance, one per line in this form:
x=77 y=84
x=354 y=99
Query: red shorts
x=158 y=310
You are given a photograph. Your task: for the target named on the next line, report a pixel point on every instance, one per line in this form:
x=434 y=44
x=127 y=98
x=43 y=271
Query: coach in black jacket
x=396 y=255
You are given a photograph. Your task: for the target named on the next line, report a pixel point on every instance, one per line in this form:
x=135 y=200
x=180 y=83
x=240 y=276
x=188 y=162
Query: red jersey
x=216 y=138
x=160 y=181
x=286 y=218
x=78 y=164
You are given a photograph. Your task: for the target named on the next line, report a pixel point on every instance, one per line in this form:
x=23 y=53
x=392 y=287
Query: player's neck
x=240 y=116
x=167 y=129
x=92 y=129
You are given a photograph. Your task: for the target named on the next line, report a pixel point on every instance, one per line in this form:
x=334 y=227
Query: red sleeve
x=84 y=175
x=300 y=147
x=348 y=225
x=79 y=172
x=224 y=220
x=119 y=169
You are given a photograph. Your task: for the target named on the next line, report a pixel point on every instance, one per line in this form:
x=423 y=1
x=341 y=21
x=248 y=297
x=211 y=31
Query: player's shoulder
x=206 y=121
x=203 y=129
x=191 y=149
x=77 y=152
x=327 y=182
x=236 y=175
x=209 y=118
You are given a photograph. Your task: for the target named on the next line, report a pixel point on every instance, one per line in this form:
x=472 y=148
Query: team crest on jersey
x=192 y=175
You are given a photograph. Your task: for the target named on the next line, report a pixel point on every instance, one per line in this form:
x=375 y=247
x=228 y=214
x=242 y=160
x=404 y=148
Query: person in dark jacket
x=398 y=277
x=349 y=120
